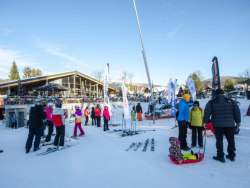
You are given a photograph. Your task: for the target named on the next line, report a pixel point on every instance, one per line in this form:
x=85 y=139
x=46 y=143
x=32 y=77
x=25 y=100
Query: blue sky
x=180 y=37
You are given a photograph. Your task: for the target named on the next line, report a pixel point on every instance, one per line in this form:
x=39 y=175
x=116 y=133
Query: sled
x=188 y=160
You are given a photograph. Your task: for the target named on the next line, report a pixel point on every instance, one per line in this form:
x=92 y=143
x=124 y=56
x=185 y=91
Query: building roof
x=50 y=78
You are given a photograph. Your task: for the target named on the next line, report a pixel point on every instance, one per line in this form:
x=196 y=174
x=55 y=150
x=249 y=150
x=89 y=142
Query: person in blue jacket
x=14 y=121
x=183 y=122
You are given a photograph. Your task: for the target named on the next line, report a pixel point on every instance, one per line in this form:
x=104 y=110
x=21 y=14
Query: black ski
x=54 y=149
x=138 y=145
x=145 y=145
x=132 y=145
x=152 y=144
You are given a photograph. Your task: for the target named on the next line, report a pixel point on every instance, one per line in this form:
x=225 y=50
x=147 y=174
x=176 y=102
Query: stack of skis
x=137 y=145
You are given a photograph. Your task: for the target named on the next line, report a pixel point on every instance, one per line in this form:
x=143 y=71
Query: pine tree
x=27 y=72
x=229 y=85
x=39 y=72
x=14 y=74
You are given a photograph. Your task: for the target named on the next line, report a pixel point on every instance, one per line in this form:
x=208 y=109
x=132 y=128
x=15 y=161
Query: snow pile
x=100 y=160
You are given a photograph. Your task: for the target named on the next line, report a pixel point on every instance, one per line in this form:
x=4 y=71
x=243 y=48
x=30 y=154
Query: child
x=196 y=121
x=58 y=117
x=106 y=118
x=78 y=121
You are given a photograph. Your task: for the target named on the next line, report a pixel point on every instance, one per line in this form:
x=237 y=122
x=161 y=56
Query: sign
x=191 y=87
x=125 y=100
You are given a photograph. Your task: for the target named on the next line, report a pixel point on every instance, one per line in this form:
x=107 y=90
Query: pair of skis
x=152 y=145
x=145 y=145
x=134 y=144
x=54 y=149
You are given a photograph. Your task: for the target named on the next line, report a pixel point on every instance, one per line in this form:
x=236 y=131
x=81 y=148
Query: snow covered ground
x=100 y=160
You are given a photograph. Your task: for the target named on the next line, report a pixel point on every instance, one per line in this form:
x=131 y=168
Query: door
x=10 y=115
x=20 y=120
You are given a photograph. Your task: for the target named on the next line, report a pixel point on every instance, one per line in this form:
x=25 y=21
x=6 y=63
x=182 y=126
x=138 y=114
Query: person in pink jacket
x=106 y=118
x=78 y=122
x=49 y=120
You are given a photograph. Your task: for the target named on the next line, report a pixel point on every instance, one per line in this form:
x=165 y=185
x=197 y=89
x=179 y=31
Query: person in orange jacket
x=86 y=114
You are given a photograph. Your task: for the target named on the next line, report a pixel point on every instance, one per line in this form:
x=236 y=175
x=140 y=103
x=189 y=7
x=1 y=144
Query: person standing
x=86 y=114
x=98 y=115
x=196 y=122
x=160 y=100
x=183 y=121
x=78 y=121
x=27 y=118
x=14 y=121
x=49 y=120
x=93 y=116
x=139 y=111
x=225 y=113
x=59 y=120
x=106 y=118
x=37 y=114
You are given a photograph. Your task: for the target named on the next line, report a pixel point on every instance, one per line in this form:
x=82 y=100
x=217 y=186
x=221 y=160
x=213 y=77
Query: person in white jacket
x=58 y=116
x=28 y=119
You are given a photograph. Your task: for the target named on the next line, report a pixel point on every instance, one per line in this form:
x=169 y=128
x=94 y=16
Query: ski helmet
x=236 y=129
x=38 y=103
x=98 y=105
x=77 y=107
x=50 y=104
x=58 y=105
x=44 y=104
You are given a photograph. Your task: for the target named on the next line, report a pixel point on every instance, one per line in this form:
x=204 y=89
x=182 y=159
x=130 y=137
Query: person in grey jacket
x=225 y=113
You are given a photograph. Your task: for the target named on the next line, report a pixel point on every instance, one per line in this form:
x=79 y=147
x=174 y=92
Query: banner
x=125 y=100
x=169 y=91
x=157 y=94
x=106 y=88
x=162 y=98
x=191 y=87
x=216 y=75
x=173 y=110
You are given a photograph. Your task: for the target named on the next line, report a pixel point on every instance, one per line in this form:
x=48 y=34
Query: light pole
x=146 y=64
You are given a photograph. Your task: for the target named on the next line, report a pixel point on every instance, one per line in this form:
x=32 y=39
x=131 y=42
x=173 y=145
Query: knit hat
x=219 y=91
x=197 y=102
x=186 y=97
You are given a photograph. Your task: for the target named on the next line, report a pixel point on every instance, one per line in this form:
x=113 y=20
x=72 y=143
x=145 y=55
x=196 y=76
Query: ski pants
x=34 y=132
x=229 y=133
x=14 y=124
x=78 y=125
x=93 y=121
x=194 y=136
x=106 y=125
x=86 y=120
x=98 y=118
x=60 y=133
x=182 y=135
x=50 y=130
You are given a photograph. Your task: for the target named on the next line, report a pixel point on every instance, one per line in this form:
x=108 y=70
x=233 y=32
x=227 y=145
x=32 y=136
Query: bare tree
x=125 y=76
x=200 y=75
x=98 y=74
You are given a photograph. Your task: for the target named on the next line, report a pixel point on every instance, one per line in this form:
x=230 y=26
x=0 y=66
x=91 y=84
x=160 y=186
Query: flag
x=173 y=110
x=216 y=75
x=162 y=101
x=191 y=87
x=169 y=91
x=125 y=100
x=157 y=93
x=106 y=88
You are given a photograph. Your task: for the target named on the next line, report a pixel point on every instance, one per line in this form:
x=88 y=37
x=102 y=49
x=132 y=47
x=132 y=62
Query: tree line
x=28 y=72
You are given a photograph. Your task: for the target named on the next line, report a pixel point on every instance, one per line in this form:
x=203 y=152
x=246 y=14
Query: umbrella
x=52 y=87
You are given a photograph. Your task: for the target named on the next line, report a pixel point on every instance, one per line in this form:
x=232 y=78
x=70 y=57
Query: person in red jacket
x=86 y=114
x=98 y=115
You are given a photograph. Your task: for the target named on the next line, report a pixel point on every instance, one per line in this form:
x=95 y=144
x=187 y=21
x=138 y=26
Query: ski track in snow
x=100 y=160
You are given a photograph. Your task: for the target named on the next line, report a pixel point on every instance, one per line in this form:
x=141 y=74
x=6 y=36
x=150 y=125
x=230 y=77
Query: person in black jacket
x=37 y=115
x=225 y=112
x=138 y=108
x=92 y=115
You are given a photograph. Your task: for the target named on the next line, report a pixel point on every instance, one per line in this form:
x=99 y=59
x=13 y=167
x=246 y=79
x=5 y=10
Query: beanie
x=219 y=91
x=186 y=97
x=197 y=102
